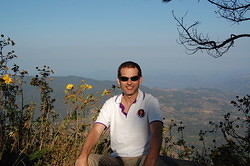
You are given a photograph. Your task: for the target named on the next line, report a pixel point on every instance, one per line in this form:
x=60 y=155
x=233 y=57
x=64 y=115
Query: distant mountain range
x=234 y=83
x=175 y=99
x=240 y=85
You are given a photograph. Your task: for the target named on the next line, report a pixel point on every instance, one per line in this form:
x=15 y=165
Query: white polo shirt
x=130 y=133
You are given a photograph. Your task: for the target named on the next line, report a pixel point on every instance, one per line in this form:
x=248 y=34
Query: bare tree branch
x=233 y=10
x=166 y=0
x=193 y=41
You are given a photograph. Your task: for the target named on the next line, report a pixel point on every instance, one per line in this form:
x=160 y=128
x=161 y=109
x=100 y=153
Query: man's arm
x=155 y=143
x=90 y=142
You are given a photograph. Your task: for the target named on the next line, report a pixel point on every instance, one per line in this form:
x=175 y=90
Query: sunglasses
x=134 y=78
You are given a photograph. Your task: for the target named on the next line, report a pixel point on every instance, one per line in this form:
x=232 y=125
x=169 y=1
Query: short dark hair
x=129 y=64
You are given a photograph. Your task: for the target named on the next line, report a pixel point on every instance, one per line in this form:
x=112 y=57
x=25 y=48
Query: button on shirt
x=130 y=133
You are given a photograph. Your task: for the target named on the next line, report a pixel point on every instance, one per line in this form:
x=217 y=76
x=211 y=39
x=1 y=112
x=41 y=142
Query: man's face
x=129 y=87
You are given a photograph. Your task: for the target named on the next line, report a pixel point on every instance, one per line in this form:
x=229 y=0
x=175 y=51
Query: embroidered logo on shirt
x=141 y=113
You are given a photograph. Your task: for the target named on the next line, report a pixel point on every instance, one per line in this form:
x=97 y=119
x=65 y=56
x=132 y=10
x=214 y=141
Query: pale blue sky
x=90 y=38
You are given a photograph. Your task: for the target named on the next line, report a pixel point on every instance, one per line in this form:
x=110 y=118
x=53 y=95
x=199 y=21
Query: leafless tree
x=235 y=11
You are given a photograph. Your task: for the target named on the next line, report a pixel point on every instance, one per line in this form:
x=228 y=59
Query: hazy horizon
x=92 y=38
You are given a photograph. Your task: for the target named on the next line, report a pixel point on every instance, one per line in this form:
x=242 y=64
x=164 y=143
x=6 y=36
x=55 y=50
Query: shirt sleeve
x=154 y=110
x=104 y=115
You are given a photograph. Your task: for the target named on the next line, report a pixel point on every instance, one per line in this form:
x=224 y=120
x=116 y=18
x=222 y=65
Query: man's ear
x=118 y=81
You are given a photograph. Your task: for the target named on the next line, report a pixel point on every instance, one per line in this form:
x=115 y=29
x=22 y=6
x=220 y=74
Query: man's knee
x=93 y=159
x=102 y=160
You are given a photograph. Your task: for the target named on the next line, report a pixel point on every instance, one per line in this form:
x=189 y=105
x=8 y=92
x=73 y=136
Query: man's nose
x=129 y=81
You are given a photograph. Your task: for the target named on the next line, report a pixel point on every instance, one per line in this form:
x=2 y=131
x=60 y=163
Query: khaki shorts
x=101 y=160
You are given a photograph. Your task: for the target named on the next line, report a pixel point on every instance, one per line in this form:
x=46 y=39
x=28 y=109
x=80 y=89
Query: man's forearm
x=90 y=142
x=155 y=143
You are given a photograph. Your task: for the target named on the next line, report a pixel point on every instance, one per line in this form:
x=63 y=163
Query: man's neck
x=129 y=98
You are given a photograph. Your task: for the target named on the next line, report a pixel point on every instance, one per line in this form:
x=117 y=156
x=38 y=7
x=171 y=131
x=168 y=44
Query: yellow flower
x=105 y=92
x=6 y=76
x=11 y=134
x=31 y=108
x=70 y=86
x=86 y=86
x=7 y=79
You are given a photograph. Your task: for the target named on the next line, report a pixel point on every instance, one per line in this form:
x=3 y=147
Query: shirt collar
x=140 y=97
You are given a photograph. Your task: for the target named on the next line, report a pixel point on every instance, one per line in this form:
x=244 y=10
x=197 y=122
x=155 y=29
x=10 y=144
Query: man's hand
x=81 y=161
x=149 y=161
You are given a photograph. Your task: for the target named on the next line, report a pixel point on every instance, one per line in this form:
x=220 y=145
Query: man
x=135 y=122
